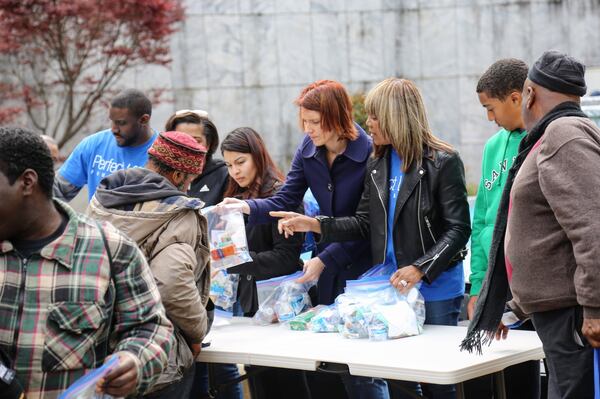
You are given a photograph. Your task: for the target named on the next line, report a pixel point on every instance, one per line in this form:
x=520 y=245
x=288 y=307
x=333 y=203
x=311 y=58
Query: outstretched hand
x=233 y=203
x=292 y=222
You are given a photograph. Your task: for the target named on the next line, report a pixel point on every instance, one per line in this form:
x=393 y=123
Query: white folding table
x=432 y=357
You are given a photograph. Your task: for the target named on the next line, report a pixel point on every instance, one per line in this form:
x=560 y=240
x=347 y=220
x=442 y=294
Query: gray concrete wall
x=245 y=61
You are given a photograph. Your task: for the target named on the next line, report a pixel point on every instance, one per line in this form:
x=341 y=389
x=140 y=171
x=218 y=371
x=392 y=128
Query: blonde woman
x=413 y=208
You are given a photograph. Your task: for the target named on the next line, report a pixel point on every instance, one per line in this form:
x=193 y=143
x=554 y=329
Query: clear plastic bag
x=223 y=289
x=404 y=317
x=303 y=320
x=380 y=270
x=355 y=316
x=227 y=236
x=326 y=320
x=85 y=387
x=373 y=308
x=222 y=318
x=264 y=288
x=283 y=299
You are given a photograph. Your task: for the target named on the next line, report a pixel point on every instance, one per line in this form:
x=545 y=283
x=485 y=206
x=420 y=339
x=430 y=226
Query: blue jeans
x=365 y=387
x=439 y=313
x=443 y=313
x=222 y=374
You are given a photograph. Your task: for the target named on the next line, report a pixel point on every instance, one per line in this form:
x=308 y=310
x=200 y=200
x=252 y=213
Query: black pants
x=325 y=386
x=569 y=357
x=522 y=381
x=180 y=389
x=274 y=383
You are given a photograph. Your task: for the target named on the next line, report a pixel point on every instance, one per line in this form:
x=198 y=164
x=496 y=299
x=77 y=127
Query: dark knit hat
x=179 y=151
x=559 y=72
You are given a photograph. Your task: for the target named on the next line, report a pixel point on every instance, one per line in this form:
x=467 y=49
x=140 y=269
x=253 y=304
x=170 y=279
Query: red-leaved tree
x=59 y=57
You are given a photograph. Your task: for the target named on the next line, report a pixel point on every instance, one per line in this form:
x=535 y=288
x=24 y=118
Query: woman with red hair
x=331 y=161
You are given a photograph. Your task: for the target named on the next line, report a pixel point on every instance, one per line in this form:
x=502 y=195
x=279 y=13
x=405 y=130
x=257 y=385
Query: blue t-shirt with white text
x=448 y=285
x=98 y=156
x=396 y=176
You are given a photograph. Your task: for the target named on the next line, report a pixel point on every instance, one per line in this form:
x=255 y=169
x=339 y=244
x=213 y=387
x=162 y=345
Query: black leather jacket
x=432 y=224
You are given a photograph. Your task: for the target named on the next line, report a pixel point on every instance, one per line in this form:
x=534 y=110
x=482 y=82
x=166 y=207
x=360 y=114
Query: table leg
x=460 y=391
x=499 y=387
x=212 y=382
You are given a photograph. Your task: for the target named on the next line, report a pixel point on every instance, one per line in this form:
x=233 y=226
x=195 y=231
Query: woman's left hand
x=406 y=278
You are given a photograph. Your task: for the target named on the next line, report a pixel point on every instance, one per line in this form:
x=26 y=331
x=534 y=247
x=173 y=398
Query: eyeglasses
x=200 y=112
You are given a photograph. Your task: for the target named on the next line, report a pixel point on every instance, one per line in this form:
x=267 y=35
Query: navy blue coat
x=338 y=191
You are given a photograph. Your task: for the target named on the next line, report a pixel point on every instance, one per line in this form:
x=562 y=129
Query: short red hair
x=331 y=100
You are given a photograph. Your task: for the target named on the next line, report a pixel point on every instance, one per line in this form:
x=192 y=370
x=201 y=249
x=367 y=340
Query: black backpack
x=10 y=387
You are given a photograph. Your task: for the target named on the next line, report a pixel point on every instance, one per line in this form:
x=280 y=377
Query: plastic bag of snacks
x=286 y=300
x=355 y=316
x=227 y=236
x=373 y=308
x=223 y=288
x=85 y=387
x=326 y=320
x=264 y=288
x=302 y=321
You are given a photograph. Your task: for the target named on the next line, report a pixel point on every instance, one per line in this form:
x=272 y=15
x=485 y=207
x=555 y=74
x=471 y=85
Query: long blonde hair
x=398 y=106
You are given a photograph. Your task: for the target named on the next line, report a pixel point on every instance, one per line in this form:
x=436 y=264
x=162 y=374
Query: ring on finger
x=404 y=283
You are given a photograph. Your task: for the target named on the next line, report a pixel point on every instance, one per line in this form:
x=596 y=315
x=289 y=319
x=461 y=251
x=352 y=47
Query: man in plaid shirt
x=72 y=291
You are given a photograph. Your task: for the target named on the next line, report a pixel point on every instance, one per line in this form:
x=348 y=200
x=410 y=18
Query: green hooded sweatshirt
x=498 y=156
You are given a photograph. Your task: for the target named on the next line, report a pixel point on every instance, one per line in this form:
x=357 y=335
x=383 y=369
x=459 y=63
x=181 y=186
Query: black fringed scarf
x=495 y=290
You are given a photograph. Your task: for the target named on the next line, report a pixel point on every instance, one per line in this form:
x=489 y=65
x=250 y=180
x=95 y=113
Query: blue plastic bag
x=85 y=387
x=382 y=269
x=372 y=289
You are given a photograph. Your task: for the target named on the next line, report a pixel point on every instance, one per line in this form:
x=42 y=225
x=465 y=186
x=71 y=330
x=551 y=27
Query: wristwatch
x=320 y=218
